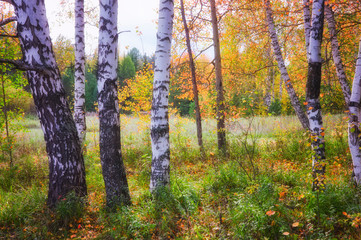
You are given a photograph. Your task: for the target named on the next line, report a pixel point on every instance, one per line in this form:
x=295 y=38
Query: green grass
x=261 y=190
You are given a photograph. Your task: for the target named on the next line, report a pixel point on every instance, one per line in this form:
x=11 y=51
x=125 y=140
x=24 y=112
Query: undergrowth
x=260 y=190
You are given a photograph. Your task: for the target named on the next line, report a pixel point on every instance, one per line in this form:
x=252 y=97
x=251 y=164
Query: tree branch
x=203 y=51
x=7 y=35
x=8 y=1
x=7 y=20
x=20 y=65
x=123 y=32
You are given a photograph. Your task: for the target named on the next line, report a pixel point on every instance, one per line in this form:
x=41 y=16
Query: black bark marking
x=314 y=81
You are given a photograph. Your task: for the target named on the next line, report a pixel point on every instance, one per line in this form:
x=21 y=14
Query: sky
x=137 y=16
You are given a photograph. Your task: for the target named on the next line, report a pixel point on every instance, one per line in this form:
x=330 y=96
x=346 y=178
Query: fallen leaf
x=270 y=212
x=295 y=224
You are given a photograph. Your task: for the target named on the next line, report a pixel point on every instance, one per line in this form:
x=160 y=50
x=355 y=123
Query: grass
x=261 y=190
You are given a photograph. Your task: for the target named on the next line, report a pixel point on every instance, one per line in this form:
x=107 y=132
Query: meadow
x=260 y=190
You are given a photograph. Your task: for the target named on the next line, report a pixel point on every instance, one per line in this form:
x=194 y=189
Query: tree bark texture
x=312 y=95
x=282 y=67
x=329 y=14
x=221 y=117
x=194 y=80
x=269 y=81
x=79 y=85
x=114 y=174
x=66 y=164
x=307 y=22
x=160 y=175
x=354 y=122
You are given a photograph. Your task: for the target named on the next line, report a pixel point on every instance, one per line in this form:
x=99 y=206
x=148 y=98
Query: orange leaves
x=295 y=224
x=270 y=212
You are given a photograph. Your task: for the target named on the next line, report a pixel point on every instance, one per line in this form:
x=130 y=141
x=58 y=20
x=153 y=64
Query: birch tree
x=66 y=164
x=194 y=80
x=354 y=122
x=116 y=185
x=312 y=95
x=160 y=175
x=79 y=83
x=336 y=56
x=221 y=117
x=282 y=67
x=307 y=22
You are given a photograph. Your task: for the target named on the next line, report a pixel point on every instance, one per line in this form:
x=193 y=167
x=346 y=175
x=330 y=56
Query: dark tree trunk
x=66 y=164
x=221 y=117
x=114 y=174
x=194 y=80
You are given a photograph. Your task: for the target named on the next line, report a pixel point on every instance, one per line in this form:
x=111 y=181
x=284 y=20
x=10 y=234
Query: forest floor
x=260 y=190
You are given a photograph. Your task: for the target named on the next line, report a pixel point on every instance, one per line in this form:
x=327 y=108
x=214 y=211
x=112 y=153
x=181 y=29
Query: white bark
x=307 y=22
x=116 y=185
x=314 y=51
x=282 y=67
x=354 y=123
x=313 y=93
x=159 y=114
x=79 y=85
x=66 y=165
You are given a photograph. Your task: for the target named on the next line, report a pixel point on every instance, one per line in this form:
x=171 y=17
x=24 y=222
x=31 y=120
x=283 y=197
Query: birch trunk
x=221 y=117
x=194 y=80
x=307 y=22
x=160 y=175
x=116 y=185
x=79 y=85
x=336 y=54
x=66 y=164
x=354 y=122
x=269 y=79
x=282 y=67
x=312 y=95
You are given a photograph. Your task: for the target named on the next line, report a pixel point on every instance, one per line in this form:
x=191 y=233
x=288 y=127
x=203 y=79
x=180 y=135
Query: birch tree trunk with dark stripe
x=282 y=67
x=114 y=174
x=160 y=175
x=221 y=116
x=194 y=80
x=336 y=54
x=66 y=164
x=312 y=95
x=79 y=84
x=354 y=122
